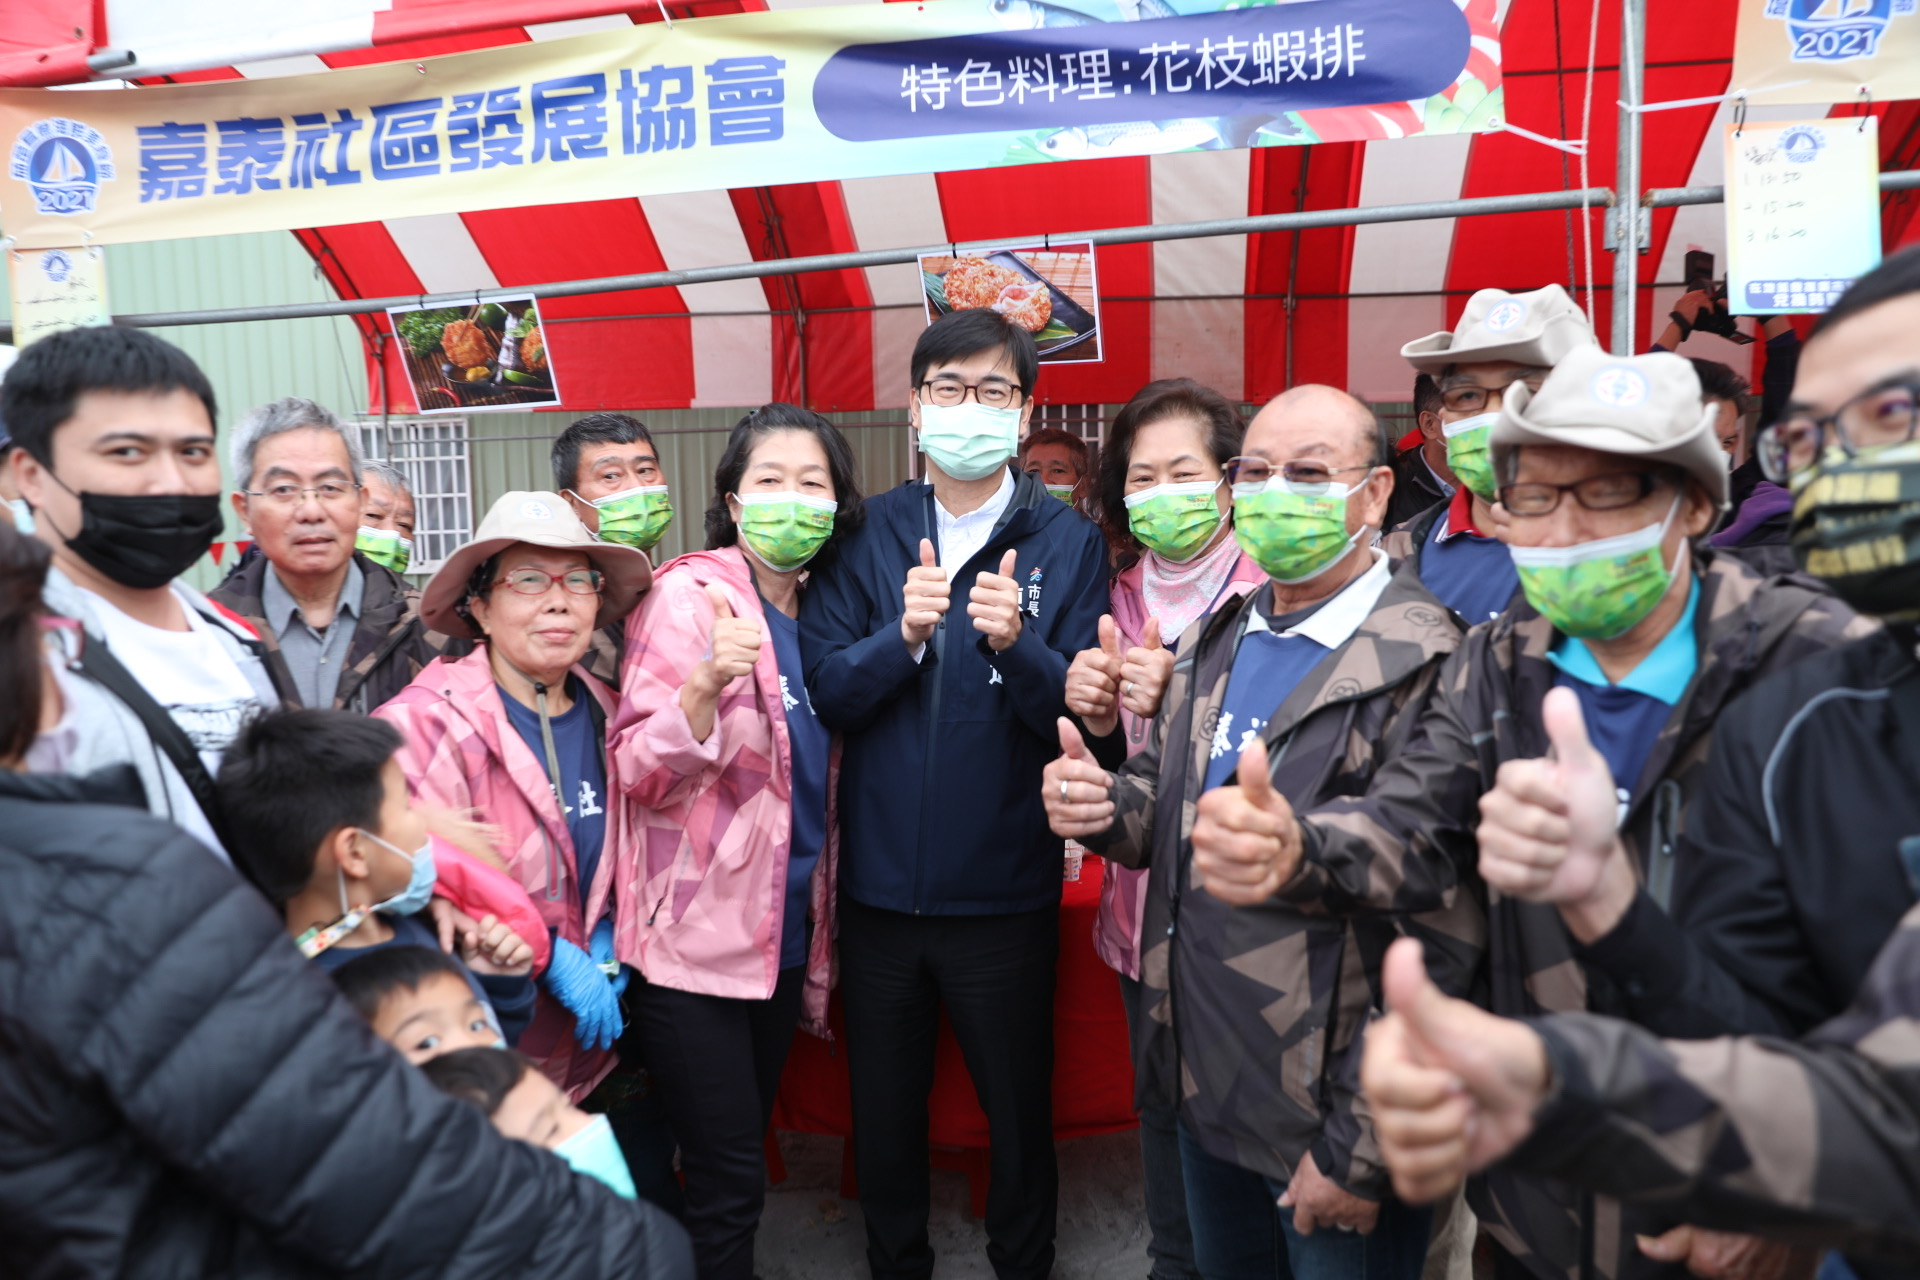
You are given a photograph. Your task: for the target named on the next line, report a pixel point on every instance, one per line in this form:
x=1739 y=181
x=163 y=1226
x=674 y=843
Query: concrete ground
x=809 y=1233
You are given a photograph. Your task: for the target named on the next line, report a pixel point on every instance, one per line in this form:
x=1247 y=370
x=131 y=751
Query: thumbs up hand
x=1549 y=828
x=994 y=605
x=1093 y=682
x=733 y=645
x=926 y=595
x=1246 y=841
x=1145 y=672
x=1076 y=791
x=1452 y=1088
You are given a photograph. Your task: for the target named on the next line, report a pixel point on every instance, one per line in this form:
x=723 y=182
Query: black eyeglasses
x=1472 y=397
x=1885 y=415
x=992 y=393
x=1609 y=492
x=1303 y=473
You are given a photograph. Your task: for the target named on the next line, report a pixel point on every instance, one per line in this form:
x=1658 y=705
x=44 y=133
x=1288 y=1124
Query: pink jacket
x=715 y=816
x=1116 y=926
x=461 y=752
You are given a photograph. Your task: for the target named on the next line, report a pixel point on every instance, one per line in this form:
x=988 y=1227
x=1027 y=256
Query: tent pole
x=1628 y=215
x=1250 y=225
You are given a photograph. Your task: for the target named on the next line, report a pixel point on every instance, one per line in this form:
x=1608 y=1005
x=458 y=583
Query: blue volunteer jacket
x=939 y=801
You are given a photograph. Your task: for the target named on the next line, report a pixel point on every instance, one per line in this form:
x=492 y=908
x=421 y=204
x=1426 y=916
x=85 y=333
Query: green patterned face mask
x=785 y=530
x=1601 y=589
x=635 y=517
x=1469 y=455
x=1064 y=492
x=384 y=547
x=1174 y=521
x=1294 y=536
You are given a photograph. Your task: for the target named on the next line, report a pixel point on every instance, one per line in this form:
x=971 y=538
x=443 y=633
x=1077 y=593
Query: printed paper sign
x=55 y=289
x=488 y=355
x=1803 y=213
x=1051 y=292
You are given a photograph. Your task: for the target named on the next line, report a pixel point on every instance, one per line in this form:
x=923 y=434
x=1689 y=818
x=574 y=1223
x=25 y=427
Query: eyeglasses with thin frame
x=331 y=494
x=1300 y=473
x=1885 y=415
x=1471 y=397
x=1608 y=492
x=537 y=582
x=991 y=392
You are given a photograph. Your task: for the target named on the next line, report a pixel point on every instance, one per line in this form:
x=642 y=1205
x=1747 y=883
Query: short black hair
x=483 y=1077
x=595 y=428
x=1167 y=398
x=750 y=431
x=292 y=778
x=1426 y=395
x=369 y=978
x=1719 y=381
x=959 y=334
x=1054 y=435
x=1895 y=277
x=50 y=376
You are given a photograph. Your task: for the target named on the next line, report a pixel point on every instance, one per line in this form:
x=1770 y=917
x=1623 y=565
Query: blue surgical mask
x=969 y=440
x=595 y=1152
x=419 y=891
x=22 y=516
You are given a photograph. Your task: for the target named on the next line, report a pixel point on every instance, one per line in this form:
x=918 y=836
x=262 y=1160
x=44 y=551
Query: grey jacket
x=101 y=730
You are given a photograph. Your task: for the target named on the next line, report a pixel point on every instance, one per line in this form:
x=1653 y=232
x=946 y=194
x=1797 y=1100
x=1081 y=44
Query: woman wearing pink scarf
x=1164 y=500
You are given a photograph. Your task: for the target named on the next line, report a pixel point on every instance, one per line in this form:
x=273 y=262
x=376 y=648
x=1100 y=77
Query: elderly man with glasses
x=1503 y=340
x=1630 y=625
x=340 y=628
x=1304 y=687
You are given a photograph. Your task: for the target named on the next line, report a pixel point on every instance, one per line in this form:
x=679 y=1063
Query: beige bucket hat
x=1538 y=328
x=1637 y=406
x=544 y=520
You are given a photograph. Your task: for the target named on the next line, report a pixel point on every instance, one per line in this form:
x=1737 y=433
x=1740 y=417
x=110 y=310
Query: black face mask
x=144 y=540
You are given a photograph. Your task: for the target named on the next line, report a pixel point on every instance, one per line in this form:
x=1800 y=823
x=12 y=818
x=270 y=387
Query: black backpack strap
x=98 y=664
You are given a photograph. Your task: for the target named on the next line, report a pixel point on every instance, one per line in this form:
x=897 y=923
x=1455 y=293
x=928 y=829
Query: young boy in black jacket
x=322 y=825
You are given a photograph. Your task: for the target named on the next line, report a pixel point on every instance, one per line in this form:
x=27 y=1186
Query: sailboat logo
x=1837 y=30
x=63 y=162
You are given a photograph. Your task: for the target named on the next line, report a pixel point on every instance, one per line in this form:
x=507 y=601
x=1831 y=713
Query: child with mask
x=420 y=1000
x=323 y=825
x=524 y=1104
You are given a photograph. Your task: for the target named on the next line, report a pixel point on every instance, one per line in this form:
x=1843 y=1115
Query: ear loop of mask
x=321 y=937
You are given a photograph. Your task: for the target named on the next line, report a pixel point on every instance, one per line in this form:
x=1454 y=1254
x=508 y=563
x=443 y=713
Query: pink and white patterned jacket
x=461 y=752
x=715 y=816
x=1116 y=926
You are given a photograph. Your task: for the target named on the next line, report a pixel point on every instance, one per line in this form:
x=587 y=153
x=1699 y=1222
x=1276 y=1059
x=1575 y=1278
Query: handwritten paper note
x=1803 y=212
x=55 y=289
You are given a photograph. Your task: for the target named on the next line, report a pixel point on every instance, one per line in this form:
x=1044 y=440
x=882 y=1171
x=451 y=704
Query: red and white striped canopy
x=1214 y=309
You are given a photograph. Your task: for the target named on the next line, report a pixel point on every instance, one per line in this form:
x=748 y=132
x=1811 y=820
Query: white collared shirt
x=961 y=537
x=1333 y=623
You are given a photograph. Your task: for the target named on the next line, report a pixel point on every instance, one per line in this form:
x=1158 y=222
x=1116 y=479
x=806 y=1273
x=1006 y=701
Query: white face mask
x=22 y=516
x=969 y=440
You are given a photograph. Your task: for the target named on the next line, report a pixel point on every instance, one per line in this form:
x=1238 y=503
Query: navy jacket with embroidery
x=940 y=781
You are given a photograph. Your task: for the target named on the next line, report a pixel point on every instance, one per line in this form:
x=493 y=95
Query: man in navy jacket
x=937 y=643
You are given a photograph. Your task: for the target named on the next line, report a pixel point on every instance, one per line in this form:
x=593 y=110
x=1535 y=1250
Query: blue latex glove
x=602 y=946
x=576 y=982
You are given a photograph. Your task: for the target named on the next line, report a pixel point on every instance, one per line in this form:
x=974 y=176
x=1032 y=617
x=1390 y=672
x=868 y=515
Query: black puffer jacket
x=181 y=1095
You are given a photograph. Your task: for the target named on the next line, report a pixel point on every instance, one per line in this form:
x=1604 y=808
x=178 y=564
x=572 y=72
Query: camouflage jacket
x=1250 y=1012
x=1816 y=1141
x=1408 y=844
x=390 y=643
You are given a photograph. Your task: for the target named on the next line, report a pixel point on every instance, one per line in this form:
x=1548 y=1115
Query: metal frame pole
x=1307 y=220
x=1627 y=213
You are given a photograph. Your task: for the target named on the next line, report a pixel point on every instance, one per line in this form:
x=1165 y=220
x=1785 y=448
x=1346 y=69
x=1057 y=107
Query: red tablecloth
x=1092 y=1070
